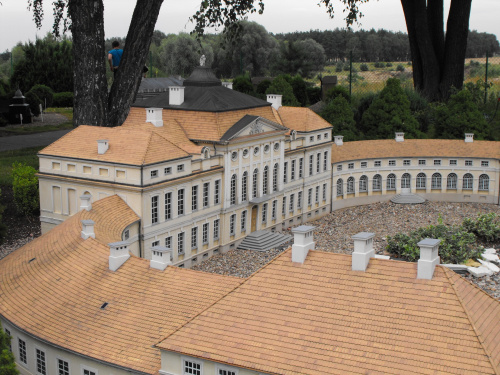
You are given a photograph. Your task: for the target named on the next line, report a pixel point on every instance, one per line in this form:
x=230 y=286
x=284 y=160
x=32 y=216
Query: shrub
x=44 y=93
x=485 y=227
x=280 y=86
x=400 y=68
x=63 y=99
x=313 y=94
x=337 y=91
x=379 y=64
x=339 y=66
x=25 y=187
x=347 y=67
x=388 y=64
x=34 y=101
x=339 y=114
x=7 y=361
x=243 y=84
x=364 y=67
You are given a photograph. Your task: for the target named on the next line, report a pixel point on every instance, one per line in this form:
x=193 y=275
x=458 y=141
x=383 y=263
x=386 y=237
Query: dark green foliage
x=339 y=66
x=280 y=86
x=263 y=86
x=390 y=113
x=388 y=64
x=44 y=93
x=63 y=99
x=313 y=94
x=458 y=116
x=379 y=64
x=302 y=57
x=243 y=84
x=299 y=87
x=400 y=68
x=364 y=67
x=34 y=101
x=25 y=188
x=3 y=229
x=338 y=91
x=338 y=112
x=485 y=226
x=7 y=360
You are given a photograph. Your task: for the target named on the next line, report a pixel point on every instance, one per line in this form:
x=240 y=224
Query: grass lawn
x=7 y=158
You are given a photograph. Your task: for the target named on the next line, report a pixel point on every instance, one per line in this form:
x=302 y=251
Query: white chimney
x=155 y=116
x=86 y=202
x=102 y=146
x=469 y=137
x=363 y=250
x=428 y=258
x=339 y=140
x=118 y=254
x=275 y=100
x=176 y=95
x=160 y=257
x=400 y=137
x=303 y=241
x=88 y=229
x=228 y=85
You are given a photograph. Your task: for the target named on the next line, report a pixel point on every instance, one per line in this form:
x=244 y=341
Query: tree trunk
x=90 y=87
x=438 y=61
x=129 y=75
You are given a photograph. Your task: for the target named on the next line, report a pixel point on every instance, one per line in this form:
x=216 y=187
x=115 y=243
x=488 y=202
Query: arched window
x=421 y=177
x=468 y=182
x=363 y=183
x=254 y=182
x=244 y=186
x=265 y=180
x=377 y=182
x=405 y=181
x=391 y=182
x=275 y=177
x=205 y=153
x=436 y=181
x=451 y=181
x=340 y=187
x=350 y=185
x=484 y=182
x=233 y=189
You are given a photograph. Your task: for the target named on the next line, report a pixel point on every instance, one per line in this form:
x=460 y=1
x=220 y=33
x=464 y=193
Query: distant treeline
x=381 y=45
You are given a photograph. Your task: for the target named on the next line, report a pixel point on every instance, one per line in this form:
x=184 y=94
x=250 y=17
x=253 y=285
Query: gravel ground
x=333 y=233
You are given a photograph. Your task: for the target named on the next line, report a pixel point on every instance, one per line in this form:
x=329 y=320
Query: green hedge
x=63 y=99
x=25 y=187
x=44 y=93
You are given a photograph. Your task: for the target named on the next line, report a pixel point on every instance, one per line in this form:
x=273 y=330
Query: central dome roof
x=202 y=76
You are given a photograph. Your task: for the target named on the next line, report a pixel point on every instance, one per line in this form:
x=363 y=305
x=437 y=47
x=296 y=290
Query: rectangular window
x=299 y=200
x=292 y=203
x=285 y=172
x=194 y=238
x=120 y=174
x=154 y=209
x=180 y=168
x=324 y=192
x=204 y=237
x=232 y=222
x=325 y=135
x=168 y=206
x=225 y=372
x=180 y=202
x=154 y=173
x=437 y=162
x=453 y=162
x=318 y=137
x=325 y=161
x=406 y=162
x=62 y=367
x=377 y=163
x=421 y=162
x=317 y=194
x=87 y=169
x=191 y=368
x=167 y=170
x=339 y=167
x=318 y=163
x=283 y=208
x=7 y=332
x=22 y=351
x=301 y=167
x=56 y=166
x=309 y=196
x=217 y=192
x=89 y=372
x=180 y=243
x=311 y=163
x=71 y=167
x=206 y=191
x=168 y=242
x=350 y=166
x=264 y=212
x=194 y=197
x=103 y=172
x=216 y=229
x=243 y=221
x=468 y=163
x=311 y=138
x=392 y=163
x=155 y=243
x=292 y=177
x=485 y=163
x=364 y=164
x=40 y=362
x=273 y=212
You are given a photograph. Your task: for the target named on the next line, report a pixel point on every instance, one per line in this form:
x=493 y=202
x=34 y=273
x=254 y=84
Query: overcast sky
x=16 y=22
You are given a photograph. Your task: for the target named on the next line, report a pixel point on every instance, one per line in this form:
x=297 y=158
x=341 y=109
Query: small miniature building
x=19 y=110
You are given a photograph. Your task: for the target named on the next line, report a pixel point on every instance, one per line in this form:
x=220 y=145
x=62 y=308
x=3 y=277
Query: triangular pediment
x=251 y=125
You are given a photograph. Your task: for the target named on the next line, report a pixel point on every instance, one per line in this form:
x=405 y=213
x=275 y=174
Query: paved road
x=17 y=142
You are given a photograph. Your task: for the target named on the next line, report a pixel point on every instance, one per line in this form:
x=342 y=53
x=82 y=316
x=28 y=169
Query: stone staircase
x=408 y=199
x=263 y=240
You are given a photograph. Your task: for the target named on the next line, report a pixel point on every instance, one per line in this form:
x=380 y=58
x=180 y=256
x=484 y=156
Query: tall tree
x=7 y=362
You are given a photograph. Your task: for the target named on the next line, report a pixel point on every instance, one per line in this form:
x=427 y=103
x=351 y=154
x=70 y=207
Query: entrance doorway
x=254 y=218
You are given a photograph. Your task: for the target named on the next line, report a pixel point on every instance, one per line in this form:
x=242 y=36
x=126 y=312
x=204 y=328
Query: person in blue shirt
x=115 y=56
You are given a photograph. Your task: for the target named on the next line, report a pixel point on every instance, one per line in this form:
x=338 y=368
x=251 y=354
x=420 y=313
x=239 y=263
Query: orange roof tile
x=302 y=119
x=321 y=317
x=57 y=296
x=389 y=148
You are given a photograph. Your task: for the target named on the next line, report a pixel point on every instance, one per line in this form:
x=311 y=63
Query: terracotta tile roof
x=302 y=119
x=321 y=317
x=126 y=145
x=389 y=148
x=58 y=296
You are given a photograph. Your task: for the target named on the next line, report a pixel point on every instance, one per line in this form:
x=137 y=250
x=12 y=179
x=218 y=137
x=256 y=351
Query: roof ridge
x=169 y=141
x=469 y=318
x=143 y=160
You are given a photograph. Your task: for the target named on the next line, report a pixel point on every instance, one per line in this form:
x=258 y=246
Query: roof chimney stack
x=303 y=241
x=118 y=254
x=428 y=258
x=176 y=95
x=102 y=146
x=88 y=229
x=86 y=203
x=469 y=137
x=400 y=137
x=155 y=116
x=275 y=100
x=363 y=250
x=339 y=140
x=160 y=257
x=228 y=85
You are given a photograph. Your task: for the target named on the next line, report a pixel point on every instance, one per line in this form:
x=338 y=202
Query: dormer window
x=205 y=153
x=293 y=135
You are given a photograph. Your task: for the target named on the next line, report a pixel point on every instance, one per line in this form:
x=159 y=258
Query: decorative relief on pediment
x=256 y=128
